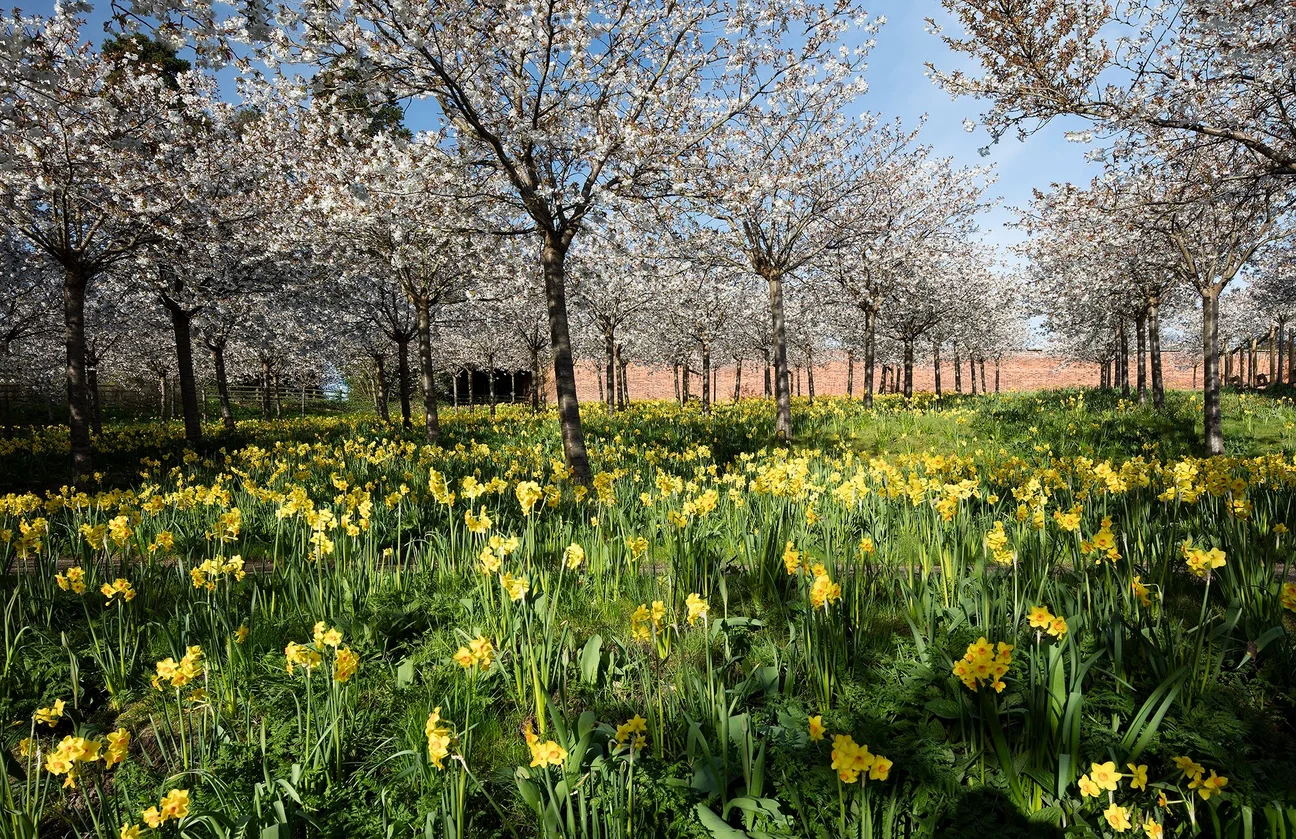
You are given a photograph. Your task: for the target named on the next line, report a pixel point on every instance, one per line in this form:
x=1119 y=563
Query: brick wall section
x=1028 y=371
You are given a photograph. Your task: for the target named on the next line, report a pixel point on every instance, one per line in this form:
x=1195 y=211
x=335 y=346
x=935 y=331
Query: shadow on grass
x=989 y=814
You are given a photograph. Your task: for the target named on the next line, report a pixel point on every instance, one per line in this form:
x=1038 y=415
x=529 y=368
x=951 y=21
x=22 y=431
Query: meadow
x=1018 y=615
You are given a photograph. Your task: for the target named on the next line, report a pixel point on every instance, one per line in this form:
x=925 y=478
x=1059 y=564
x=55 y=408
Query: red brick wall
x=1028 y=371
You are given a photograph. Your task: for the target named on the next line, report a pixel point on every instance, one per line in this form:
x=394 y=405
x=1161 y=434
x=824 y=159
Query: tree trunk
x=609 y=350
x=850 y=373
x=1272 y=345
x=623 y=367
x=685 y=383
x=769 y=380
x=620 y=378
x=908 y=368
x=266 y=408
x=870 y=354
x=380 y=387
x=535 y=380
x=972 y=372
x=737 y=379
x=886 y=370
x=74 y=290
x=1140 y=332
x=404 y=381
x=782 y=395
x=1122 y=354
x=181 y=325
x=92 y=388
x=1211 y=417
x=162 y=396
x=1251 y=364
x=1154 y=352
x=1279 y=376
x=278 y=397
x=222 y=383
x=810 y=381
x=958 y=370
x=427 y=377
x=679 y=394
x=997 y=365
x=936 y=364
x=706 y=378
x=553 y=259
x=983 y=379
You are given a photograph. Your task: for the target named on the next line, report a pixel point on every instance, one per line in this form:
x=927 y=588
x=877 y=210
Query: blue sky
x=899 y=87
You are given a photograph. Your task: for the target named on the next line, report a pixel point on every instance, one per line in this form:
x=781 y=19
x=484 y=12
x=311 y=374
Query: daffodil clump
x=984 y=664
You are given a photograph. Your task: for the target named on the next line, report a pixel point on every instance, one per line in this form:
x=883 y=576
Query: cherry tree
x=782 y=185
x=1199 y=71
x=62 y=107
x=910 y=208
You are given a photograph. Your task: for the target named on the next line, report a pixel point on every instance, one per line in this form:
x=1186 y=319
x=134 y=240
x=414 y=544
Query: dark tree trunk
x=404 y=382
x=1272 y=346
x=222 y=383
x=74 y=290
x=1279 y=376
x=810 y=381
x=886 y=371
x=535 y=380
x=685 y=383
x=737 y=379
x=620 y=377
x=782 y=395
x=983 y=379
x=427 y=375
x=870 y=354
x=1140 y=332
x=380 y=387
x=908 y=367
x=706 y=378
x=997 y=360
x=92 y=388
x=553 y=259
x=610 y=391
x=182 y=326
x=850 y=374
x=972 y=373
x=958 y=370
x=936 y=367
x=266 y=408
x=1154 y=353
x=1124 y=363
x=1212 y=424
x=623 y=367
